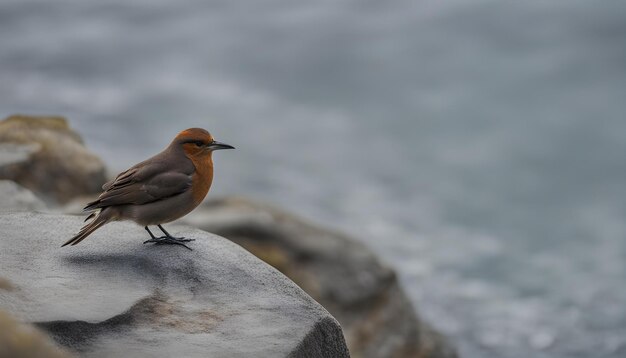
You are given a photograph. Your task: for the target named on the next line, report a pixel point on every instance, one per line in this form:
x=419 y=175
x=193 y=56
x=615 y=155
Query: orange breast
x=202 y=178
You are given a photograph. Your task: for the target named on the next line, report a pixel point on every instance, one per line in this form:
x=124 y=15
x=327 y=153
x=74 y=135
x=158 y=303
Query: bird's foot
x=168 y=240
x=179 y=239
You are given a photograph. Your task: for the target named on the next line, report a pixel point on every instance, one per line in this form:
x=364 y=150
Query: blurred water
x=478 y=146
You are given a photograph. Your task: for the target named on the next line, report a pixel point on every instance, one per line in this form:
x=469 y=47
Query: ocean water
x=478 y=146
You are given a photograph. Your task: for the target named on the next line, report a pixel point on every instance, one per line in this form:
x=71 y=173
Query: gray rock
x=112 y=296
x=16 y=198
x=44 y=155
x=339 y=272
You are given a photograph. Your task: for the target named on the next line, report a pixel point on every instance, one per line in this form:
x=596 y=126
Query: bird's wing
x=144 y=183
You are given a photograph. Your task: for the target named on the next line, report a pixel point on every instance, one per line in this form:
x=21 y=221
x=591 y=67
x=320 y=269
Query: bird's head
x=197 y=142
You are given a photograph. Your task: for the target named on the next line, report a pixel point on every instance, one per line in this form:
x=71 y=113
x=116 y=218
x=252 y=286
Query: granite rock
x=113 y=296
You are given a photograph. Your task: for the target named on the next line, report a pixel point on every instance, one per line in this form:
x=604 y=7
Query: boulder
x=19 y=340
x=339 y=272
x=112 y=296
x=44 y=155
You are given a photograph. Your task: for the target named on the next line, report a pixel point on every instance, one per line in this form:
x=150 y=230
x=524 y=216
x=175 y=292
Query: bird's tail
x=100 y=219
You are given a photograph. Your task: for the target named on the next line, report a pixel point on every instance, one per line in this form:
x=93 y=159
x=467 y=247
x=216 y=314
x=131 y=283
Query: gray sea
x=478 y=146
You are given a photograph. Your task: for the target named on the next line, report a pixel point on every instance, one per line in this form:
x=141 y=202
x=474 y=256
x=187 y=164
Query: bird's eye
x=198 y=143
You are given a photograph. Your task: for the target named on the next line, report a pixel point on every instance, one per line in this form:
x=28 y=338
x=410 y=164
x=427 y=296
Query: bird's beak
x=215 y=145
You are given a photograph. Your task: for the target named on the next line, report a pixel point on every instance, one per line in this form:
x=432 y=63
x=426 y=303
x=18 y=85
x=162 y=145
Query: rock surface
x=112 y=296
x=44 y=155
x=339 y=272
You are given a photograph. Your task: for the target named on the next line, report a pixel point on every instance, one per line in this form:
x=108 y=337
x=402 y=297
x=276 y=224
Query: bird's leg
x=167 y=234
x=165 y=240
x=151 y=234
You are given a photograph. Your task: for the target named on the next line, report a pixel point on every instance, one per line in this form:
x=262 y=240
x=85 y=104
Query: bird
x=158 y=190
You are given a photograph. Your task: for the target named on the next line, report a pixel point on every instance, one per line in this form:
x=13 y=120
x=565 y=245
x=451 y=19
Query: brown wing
x=146 y=182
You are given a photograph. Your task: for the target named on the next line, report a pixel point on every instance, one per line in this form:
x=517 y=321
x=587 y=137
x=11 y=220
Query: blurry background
x=478 y=146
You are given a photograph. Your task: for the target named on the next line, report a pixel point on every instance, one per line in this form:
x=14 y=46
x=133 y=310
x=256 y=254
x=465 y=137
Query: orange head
x=198 y=143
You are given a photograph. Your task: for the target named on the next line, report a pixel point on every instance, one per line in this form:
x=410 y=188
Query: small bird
x=158 y=190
